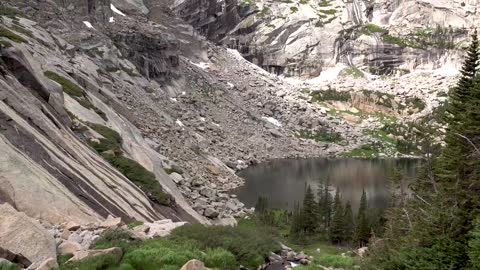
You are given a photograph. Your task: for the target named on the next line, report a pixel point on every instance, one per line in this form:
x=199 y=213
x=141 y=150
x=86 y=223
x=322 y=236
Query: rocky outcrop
x=305 y=38
x=23 y=235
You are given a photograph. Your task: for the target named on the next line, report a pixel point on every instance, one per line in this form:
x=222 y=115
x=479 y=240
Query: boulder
x=88 y=254
x=111 y=222
x=211 y=213
x=176 y=177
x=274 y=258
x=162 y=228
x=68 y=248
x=230 y=221
x=7 y=255
x=208 y=192
x=194 y=265
x=48 y=264
x=21 y=234
x=72 y=226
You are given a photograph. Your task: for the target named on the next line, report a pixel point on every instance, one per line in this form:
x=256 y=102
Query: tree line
x=325 y=217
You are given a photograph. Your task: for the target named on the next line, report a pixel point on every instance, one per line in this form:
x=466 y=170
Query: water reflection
x=284 y=181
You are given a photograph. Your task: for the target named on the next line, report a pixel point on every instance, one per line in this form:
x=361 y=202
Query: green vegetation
x=10 y=12
x=328 y=11
x=22 y=30
x=337 y=261
x=244 y=3
x=5 y=44
x=110 y=149
x=265 y=10
x=95 y=263
x=365 y=151
x=321 y=135
x=68 y=86
x=304 y=2
x=436 y=226
x=293 y=9
x=382 y=99
x=8 y=266
x=354 y=72
x=330 y=95
x=370 y=29
x=250 y=245
x=12 y=36
x=134 y=224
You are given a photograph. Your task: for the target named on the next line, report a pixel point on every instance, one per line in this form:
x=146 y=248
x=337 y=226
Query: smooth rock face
x=23 y=235
x=87 y=254
x=68 y=248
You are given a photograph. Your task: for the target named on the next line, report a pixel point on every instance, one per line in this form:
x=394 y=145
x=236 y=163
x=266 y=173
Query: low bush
x=250 y=245
x=220 y=259
x=330 y=95
x=115 y=238
x=8 y=266
x=321 y=135
x=68 y=86
x=111 y=139
x=142 y=177
x=336 y=261
x=22 y=30
x=10 y=12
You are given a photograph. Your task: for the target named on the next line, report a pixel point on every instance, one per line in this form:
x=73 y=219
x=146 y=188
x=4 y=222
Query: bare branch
x=408 y=217
x=470 y=142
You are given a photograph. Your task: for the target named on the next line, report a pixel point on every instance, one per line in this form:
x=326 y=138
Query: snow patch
x=184 y=93
x=114 y=9
x=111 y=20
x=273 y=121
x=447 y=70
x=230 y=85
x=173 y=99
x=215 y=124
x=203 y=119
x=329 y=74
x=179 y=123
x=87 y=24
x=201 y=65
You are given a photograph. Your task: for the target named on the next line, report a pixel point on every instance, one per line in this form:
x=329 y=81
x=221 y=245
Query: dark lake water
x=283 y=182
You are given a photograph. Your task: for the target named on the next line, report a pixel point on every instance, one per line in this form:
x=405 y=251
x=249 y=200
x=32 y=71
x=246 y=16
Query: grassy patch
x=336 y=261
x=354 y=72
x=11 y=35
x=8 y=266
x=95 y=263
x=111 y=141
x=85 y=102
x=330 y=95
x=250 y=245
x=365 y=151
x=5 y=44
x=263 y=12
x=322 y=135
x=328 y=11
x=293 y=9
x=68 y=86
x=382 y=99
x=134 y=224
x=173 y=169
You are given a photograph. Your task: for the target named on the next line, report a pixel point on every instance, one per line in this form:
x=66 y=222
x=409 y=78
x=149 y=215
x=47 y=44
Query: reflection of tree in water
x=284 y=181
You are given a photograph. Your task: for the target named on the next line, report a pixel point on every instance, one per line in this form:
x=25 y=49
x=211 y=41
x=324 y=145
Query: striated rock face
x=304 y=38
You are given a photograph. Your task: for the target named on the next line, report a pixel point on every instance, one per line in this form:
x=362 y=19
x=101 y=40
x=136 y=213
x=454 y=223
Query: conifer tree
x=326 y=205
x=348 y=223
x=296 y=221
x=362 y=229
x=309 y=211
x=337 y=227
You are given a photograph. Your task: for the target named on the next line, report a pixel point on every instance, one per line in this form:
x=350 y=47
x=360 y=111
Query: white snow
x=272 y=120
x=111 y=20
x=201 y=65
x=294 y=264
x=184 y=93
x=173 y=99
x=203 y=119
x=215 y=124
x=87 y=24
x=114 y=9
x=446 y=70
x=179 y=123
x=328 y=75
x=230 y=84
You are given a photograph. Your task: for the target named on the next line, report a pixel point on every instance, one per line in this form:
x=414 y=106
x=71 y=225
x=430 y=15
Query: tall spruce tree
x=326 y=205
x=296 y=225
x=337 y=227
x=362 y=229
x=309 y=211
x=348 y=223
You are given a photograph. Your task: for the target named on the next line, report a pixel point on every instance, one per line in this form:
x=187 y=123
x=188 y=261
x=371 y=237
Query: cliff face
x=303 y=38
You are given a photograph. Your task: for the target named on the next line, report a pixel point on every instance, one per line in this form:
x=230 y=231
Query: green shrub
x=321 y=135
x=220 y=258
x=330 y=95
x=114 y=238
x=336 y=261
x=293 y=9
x=12 y=36
x=68 y=86
x=111 y=141
x=8 y=266
x=143 y=178
x=5 y=44
x=355 y=72
x=249 y=245
x=134 y=224
x=329 y=11
x=95 y=263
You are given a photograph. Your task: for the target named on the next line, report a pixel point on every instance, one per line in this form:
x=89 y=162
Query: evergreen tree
x=337 y=227
x=309 y=211
x=296 y=220
x=325 y=205
x=262 y=205
x=362 y=229
x=348 y=223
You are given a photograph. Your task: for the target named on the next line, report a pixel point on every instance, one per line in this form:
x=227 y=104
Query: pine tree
x=296 y=220
x=309 y=211
x=337 y=227
x=326 y=205
x=348 y=223
x=362 y=229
